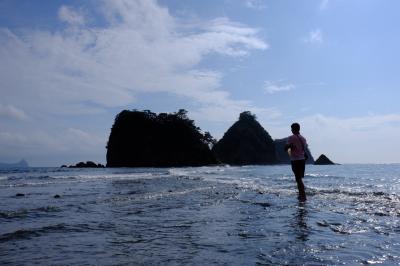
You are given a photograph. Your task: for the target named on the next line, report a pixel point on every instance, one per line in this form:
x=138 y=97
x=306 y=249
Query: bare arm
x=289 y=146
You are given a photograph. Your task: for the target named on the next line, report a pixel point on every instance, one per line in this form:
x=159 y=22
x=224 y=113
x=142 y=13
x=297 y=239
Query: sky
x=67 y=68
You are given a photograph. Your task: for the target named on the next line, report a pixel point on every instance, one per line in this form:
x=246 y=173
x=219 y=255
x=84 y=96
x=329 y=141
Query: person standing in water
x=295 y=145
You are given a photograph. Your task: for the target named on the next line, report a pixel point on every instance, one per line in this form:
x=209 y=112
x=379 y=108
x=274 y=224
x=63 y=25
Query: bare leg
x=300 y=186
x=298 y=168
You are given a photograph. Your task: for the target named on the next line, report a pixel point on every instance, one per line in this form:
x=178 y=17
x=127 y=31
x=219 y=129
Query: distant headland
x=146 y=139
x=21 y=164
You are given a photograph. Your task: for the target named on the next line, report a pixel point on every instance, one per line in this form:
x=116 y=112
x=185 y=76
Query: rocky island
x=323 y=160
x=146 y=139
x=246 y=142
x=88 y=164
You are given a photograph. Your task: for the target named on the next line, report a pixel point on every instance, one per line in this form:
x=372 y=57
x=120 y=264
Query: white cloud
x=10 y=111
x=314 y=37
x=363 y=139
x=83 y=69
x=355 y=139
x=255 y=4
x=71 y=16
x=230 y=113
x=143 y=49
x=41 y=147
x=83 y=138
x=273 y=87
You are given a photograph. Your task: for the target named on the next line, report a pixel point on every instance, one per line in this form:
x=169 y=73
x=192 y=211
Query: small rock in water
x=57 y=196
x=264 y=204
x=20 y=195
x=323 y=223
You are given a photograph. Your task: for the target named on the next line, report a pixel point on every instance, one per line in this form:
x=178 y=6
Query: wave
x=37 y=232
x=205 y=170
x=43 y=180
x=358 y=194
x=157 y=195
x=19 y=234
x=13 y=214
x=23 y=213
x=321 y=176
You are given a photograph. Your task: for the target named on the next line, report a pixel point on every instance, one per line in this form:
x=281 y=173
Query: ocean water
x=199 y=216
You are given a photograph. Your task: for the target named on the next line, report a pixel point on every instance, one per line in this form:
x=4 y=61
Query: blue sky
x=68 y=67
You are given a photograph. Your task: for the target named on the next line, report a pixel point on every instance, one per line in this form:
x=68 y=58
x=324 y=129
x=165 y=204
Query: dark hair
x=295 y=127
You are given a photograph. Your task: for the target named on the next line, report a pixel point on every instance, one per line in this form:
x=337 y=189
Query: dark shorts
x=298 y=168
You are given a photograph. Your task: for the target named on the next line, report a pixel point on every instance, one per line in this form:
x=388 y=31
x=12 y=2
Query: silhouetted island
x=246 y=142
x=323 y=160
x=145 y=139
x=88 y=164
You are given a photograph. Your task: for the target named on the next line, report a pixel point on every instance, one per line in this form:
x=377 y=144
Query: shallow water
x=221 y=215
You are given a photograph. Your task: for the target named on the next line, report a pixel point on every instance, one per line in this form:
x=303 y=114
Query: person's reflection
x=301 y=228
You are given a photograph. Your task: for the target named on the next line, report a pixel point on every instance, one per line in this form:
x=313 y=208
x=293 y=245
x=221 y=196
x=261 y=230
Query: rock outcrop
x=283 y=157
x=246 y=142
x=145 y=139
x=88 y=164
x=323 y=160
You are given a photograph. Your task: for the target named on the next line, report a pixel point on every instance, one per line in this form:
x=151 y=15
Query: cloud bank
x=142 y=49
x=87 y=68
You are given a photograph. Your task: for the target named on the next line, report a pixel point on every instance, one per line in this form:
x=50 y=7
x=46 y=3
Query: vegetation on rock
x=145 y=139
x=246 y=142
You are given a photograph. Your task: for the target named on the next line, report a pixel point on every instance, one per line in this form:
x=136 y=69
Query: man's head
x=295 y=128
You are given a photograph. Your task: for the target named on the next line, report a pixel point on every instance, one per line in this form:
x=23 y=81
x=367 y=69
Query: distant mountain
x=245 y=142
x=146 y=139
x=283 y=157
x=20 y=164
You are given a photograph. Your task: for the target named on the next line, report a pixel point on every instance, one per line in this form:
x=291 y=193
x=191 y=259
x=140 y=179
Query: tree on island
x=145 y=139
x=246 y=142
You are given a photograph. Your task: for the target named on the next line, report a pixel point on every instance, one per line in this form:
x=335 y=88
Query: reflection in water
x=300 y=225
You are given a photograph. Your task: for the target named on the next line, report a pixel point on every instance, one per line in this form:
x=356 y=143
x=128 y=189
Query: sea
x=217 y=215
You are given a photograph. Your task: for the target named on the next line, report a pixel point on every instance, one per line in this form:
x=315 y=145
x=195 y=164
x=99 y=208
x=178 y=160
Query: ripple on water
x=24 y=213
x=196 y=216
